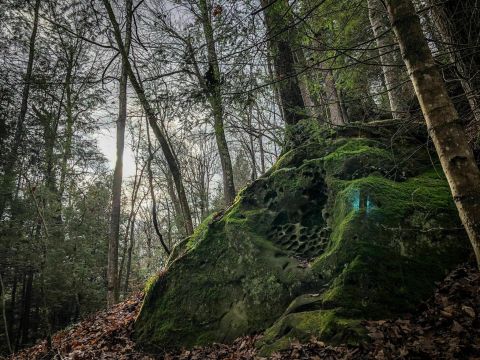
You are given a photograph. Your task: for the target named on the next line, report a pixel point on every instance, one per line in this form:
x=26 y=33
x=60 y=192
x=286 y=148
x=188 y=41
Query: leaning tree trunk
x=113 y=240
x=153 y=121
x=281 y=38
x=398 y=98
x=443 y=124
x=11 y=161
x=214 y=94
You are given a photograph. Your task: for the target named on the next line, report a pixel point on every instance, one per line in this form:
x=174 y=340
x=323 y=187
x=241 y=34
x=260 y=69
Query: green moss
x=375 y=243
x=357 y=157
x=322 y=324
x=199 y=233
x=150 y=282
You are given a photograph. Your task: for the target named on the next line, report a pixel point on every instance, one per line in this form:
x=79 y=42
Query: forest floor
x=447 y=326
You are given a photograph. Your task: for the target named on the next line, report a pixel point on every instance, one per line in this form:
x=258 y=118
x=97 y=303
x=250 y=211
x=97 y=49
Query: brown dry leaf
x=469 y=311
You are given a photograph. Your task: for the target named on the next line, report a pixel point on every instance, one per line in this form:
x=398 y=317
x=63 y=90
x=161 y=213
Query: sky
x=106 y=144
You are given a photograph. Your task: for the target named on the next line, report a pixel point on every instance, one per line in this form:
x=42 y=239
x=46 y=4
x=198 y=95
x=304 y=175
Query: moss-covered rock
x=341 y=229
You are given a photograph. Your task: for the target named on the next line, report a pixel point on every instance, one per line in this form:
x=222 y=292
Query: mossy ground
x=375 y=231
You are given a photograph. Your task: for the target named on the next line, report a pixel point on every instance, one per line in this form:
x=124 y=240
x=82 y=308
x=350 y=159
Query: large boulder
x=342 y=228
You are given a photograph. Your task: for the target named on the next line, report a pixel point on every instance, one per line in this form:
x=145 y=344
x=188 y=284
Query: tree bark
x=176 y=204
x=450 y=24
x=4 y=314
x=113 y=240
x=310 y=106
x=9 y=170
x=152 y=195
x=334 y=107
x=251 y=141
x=13 y=303
x=442 y=120
x=26 y=302
x=214 y=94
x=280 y=41
x=67 y=147
x=129 y=257
x=153 y=121
x=398 y=97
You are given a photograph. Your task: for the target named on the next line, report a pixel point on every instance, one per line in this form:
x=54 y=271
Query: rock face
x=341 y=229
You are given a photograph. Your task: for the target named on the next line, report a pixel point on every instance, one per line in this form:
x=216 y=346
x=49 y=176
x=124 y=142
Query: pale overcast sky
x=106 y=144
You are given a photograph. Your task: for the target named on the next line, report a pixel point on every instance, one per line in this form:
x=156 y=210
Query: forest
x=239 y=179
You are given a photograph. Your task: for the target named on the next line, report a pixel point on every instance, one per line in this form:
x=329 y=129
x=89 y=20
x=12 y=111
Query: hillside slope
x=447 y=326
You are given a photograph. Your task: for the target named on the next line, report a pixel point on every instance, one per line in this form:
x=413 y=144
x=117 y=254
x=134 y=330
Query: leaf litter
x=447 y=326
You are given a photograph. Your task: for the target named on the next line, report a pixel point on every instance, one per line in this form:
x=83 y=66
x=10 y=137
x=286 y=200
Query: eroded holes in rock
x=299 y=241
x=302 y=247
x=279 y=239
x=292 y=245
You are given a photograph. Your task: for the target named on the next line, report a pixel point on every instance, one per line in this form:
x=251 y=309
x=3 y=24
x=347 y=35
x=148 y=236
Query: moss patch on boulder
x=339 y=230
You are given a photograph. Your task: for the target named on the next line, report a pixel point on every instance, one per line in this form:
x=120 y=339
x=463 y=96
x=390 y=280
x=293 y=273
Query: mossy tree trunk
x=212 y=86
x=153 y=121
x=281 y=36
x=398 y=93
x=443 y=123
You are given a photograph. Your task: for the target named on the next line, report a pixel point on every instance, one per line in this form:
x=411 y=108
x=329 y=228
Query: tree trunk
x=13 y=300
x=152 y=195
x=113 y=240
x=153 y=121
x=443 y=123
x=27 y=302
x=9 y=170
x=280 y=41
x=450 y=24
x=398 y=98
x=4 y=314
x=129 y=257
x=251 y=140
x=214 y=93
x=262 y=154
x=334 y=107
x=67 y=147
x=176 y=205
x=302 y=65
